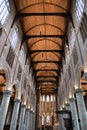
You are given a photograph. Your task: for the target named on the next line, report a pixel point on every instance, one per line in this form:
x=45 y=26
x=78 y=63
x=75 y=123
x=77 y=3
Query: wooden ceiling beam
x=47 y=81
x=1 y=85
x=46 y=77
x=61 y=14
x=47 y=61
x=27 y=37
x=30 y=52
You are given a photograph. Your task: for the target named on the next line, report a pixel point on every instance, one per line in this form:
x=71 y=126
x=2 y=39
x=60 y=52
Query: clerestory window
x=14 y=38
x=4 y=11
x=79 y=9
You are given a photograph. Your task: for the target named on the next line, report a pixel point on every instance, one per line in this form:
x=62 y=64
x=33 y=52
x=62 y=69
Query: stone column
x=28 y=124
x=21 y=118
x=62 y=119
x=4 y=107
x=15 y=114
x=74 y=115
x=33 y=121
x=30 y=128
x=67 y=106
x=62 y=122
x=81 y=109
x=27 y=119
x=30 y=121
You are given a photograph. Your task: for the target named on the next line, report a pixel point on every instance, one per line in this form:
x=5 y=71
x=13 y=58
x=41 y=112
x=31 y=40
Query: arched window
x=48 y=119
x=42 y=120
x=79 y=9
x=51 y=98
x=4 y=10
x=47 y=98
x=22 y=56
x=14 y=38
x=43 y=98
x=54 y=98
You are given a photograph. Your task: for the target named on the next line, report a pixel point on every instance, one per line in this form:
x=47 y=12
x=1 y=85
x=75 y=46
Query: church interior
x=43 y=65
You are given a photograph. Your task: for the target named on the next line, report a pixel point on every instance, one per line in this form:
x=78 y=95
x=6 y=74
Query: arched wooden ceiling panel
x=44 y=24
x=29 y=4
x=46 y=39
x=58 y=43
x=46 y=44
x=40 y=65
x=47 y=73
x=45 y=55
x=56 y=21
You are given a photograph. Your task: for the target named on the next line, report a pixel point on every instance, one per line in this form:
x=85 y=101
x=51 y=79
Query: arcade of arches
x=43 y=64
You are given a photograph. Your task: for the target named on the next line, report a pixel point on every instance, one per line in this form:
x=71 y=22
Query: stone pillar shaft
x=27 y=119
x=4 y=107
x=21 y=119
x=15 y=114
x=81 y=109
x=74 y=114
x=30 y=128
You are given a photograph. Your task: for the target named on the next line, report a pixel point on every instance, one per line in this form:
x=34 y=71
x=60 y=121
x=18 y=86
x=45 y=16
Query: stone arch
x=78 y=76
x=8 y=77
x=23 y=97
x=18 y=89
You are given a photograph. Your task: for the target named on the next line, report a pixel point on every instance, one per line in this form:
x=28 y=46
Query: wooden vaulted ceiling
x=44 y=24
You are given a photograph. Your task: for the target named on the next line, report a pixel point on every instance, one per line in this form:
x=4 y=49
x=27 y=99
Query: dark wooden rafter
x=27 y=37
x=3 y=74
x=46 y=77
x=48 y=92
x=30 y=52
x=61 y=14
x=46 y=81
x=1 y=85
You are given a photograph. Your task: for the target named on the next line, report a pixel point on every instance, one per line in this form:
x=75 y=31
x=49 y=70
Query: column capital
x=23 y=105
x=30 y=111
x=16 y=100
x=78 y=90
x=27 y=109
x=72 y=99
x=7 y=92
x=67 y=104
